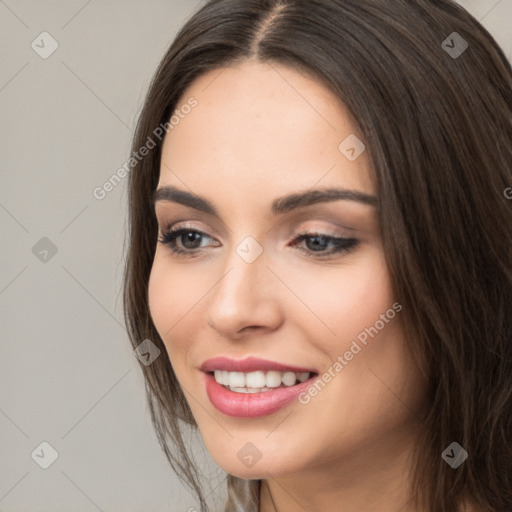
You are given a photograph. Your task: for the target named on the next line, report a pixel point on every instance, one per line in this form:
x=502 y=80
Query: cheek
x=366 y=317
x=171 y=296
x=366 y=295
x=342 y=301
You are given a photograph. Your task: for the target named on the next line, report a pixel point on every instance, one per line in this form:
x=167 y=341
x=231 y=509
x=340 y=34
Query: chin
x=245 y=461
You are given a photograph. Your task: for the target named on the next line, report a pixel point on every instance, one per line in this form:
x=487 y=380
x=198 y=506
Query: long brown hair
x=438 y=130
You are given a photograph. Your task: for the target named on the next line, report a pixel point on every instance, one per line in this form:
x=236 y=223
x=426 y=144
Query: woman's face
x=246 y=286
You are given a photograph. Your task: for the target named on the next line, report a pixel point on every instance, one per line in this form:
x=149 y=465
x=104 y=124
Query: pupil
x=191 y=237
x=316 y=243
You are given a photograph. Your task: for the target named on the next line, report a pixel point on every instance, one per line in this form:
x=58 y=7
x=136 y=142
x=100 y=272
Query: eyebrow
x=281 y=205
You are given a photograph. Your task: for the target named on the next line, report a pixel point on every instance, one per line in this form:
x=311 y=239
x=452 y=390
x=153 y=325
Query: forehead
x=265 y=128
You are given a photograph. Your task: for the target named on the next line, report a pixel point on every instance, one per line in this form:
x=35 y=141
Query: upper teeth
x=258 y=379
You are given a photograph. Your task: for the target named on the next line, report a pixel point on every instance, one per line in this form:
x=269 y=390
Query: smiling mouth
x=259 y=381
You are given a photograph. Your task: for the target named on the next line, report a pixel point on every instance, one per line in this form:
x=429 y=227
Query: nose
x=245 y=298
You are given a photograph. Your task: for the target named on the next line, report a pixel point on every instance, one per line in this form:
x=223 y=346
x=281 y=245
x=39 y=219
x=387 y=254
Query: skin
x=260 y=132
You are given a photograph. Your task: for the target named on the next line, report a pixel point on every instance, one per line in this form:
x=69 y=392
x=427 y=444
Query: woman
x=320 y=246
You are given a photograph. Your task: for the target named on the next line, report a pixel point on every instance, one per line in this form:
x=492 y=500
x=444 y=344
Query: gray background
x=68 y=375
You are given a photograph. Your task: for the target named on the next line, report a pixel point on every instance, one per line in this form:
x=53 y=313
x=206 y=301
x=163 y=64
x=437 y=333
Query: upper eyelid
x=302 y=215
x=169 y=226
x=298 y=219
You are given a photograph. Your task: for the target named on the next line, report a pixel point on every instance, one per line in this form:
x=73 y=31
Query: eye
x=189 y=238
x=316 y=243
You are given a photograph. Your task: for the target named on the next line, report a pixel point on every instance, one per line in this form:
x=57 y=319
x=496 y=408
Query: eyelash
x=342 y=245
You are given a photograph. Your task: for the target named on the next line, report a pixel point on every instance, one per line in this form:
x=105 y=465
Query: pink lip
x=250 y=364
x=251 y=405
